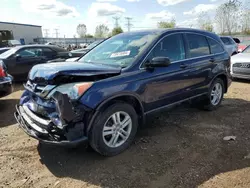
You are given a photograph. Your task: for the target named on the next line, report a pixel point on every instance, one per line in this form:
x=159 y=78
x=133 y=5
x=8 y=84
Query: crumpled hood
x=49 y=71
x=241 y=58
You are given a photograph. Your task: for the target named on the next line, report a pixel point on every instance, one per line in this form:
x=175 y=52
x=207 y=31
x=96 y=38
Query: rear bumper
x=39 y=128
x=6 y=86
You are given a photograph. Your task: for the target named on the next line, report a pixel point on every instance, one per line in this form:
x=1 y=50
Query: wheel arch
x=129 y=98
x=223 y=77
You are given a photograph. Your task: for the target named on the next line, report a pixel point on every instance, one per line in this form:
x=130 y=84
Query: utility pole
x=46 y=33
x=128 y=23
x=56 y=32
x=116 y=18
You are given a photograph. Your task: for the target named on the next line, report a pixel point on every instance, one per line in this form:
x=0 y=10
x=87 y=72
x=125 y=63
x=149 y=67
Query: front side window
x=171 y=46
x=120 y=50
x=198 y=45
x=30 y=52
x=215 y=47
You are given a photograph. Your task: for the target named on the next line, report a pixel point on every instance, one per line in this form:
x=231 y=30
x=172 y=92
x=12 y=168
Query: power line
x=56 y=32
x=128 y=23
x=116 y=18
x=46 y=31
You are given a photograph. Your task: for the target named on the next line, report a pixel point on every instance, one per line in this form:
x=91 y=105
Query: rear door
x=167 y=85
x=201 y=62
x=49 y=54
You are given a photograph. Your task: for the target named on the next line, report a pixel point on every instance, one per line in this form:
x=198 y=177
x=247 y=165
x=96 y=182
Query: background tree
x=227 y=16
x=170 y=24
x=101 y=31
x=204 y=22
x=89 y=36
x=245 y=18
x=81 y=30
x=116 y=31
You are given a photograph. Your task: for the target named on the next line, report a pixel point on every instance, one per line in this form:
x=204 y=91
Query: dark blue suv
x=108 y=93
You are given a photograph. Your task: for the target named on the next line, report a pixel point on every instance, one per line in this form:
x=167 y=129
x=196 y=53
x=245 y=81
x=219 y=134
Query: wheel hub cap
x=216 y=94
x=117 y=129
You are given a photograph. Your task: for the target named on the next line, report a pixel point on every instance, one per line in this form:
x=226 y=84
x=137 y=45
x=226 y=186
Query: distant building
x=25 y=33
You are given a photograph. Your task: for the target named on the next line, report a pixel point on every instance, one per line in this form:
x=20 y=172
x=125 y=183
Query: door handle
x=183 y=66
x=212 y=60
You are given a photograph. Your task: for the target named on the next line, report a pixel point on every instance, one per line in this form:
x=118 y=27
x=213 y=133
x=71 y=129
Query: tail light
x=2 y=71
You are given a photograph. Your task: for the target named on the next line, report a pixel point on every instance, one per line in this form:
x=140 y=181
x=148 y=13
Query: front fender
x=95 y=98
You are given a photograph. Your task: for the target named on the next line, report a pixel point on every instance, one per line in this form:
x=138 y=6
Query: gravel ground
x=183 y=147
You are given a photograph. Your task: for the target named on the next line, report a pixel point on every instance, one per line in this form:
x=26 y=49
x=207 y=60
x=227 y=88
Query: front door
x=24 y=60
x=167 y=85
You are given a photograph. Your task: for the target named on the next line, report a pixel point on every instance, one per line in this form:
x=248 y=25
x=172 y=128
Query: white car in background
x=240 y=64
x=230 y=44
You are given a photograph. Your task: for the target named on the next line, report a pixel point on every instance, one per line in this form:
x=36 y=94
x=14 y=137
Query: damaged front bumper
x=45 y=129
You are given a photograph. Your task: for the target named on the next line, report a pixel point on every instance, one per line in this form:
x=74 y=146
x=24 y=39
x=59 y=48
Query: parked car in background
x=2 y=50
x=109 y=92
x=236 y=40
x=5 y=81
x=75 y=54
x=19 y=60
x=13 y=43
x=243 y=45
x=230 y=44
x=240 y=64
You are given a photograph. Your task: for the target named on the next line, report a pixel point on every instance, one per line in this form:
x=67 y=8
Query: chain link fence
x=64 y=42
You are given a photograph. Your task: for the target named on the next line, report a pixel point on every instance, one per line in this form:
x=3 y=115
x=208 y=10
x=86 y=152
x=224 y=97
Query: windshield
x=8 y=53
x=94 y=44
x=120 y=50
x=247 y=50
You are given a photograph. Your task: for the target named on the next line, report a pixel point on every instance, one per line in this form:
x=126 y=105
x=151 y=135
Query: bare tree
x=227 y=16
x=81 y=30
x=204 y=22
x=245 y=18
x=101 y=31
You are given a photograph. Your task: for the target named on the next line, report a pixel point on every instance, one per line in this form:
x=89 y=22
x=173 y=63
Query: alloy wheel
x=117 y=129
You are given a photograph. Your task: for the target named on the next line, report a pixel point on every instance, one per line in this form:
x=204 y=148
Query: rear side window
x=215 y=47
x=198 y=45
x=48 y=52
x=171 y=46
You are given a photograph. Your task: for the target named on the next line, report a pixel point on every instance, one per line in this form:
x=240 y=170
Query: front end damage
x=57 y=120
x=49 y=109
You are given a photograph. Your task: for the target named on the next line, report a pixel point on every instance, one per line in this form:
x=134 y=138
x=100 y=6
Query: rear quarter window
x=215 y=47
x=225 y=40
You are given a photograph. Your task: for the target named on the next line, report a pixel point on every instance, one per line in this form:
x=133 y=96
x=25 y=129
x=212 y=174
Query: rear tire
x=114 y=129
x=215 y=95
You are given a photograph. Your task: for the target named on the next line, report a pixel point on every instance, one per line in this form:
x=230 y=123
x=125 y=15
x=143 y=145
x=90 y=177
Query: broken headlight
x=73 y=90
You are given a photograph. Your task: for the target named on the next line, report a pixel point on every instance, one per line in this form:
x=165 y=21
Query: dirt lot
x=180 y=148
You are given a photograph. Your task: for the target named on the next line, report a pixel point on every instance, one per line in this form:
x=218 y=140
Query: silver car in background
x=230 y=44
x=240 y=64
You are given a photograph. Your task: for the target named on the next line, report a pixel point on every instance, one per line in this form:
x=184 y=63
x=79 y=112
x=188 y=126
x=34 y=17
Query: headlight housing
x=73 y=90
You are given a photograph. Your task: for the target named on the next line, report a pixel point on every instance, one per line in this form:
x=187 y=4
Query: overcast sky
x=67 y=14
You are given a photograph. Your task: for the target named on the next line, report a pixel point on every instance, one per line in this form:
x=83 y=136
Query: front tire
x=215 y=95
x=114 y=129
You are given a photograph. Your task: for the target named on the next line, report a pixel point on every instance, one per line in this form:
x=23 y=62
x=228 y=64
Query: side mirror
x=159 y=62
x=18 y=57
